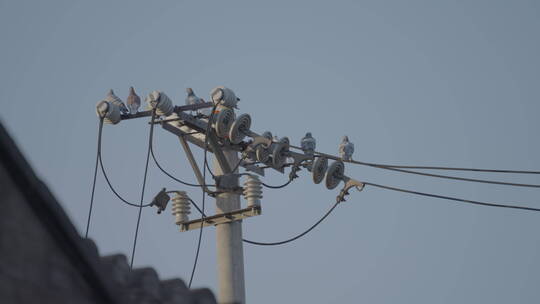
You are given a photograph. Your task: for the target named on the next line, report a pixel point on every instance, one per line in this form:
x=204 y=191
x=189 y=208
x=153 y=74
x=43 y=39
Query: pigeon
x=346 y=149
x=116 y=101
x=308 y=144
x=192 y=99
x=133 y=101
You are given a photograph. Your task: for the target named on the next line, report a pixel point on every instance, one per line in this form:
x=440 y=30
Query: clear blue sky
x=410 y=82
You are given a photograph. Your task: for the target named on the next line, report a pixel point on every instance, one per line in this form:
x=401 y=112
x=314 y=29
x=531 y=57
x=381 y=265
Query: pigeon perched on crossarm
x=308 y=144
x=346 y=149
x=116 y=101
x=192 y=99
x=133 y=101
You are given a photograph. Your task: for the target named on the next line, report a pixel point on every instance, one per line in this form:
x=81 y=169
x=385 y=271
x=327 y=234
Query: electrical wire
x=278 y=187
x=210 y=119
x=205 y=165
x=297 y=236
x=143 y=187
x=428 y=174
x=100 y=135
x=200 y=238
x=454 y=177
x=168 y=174
x=428 y=167
x=453 y=168
x=451 y=198
x=112 y=188
x=100 y=128
x=197 y=207
x=238 y=164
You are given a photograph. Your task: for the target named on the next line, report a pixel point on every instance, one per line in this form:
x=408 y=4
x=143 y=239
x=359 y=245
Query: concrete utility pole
x=230 y=250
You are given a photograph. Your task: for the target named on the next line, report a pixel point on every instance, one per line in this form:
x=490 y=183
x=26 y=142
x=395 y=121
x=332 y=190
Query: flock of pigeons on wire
x=308 y=143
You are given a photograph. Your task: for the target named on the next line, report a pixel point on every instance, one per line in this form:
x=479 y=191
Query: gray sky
x=410 y=82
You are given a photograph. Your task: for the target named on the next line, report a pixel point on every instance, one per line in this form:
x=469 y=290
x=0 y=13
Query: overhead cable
x=451 y=198
x=143 y=187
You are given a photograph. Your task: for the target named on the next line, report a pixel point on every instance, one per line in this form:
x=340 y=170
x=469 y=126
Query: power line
x=428 y=167
x=278 y=187
x=385 y=167
x=170 y=175
x=451 y=198
x=112 y=188
x=297 y=236
x=200 y=237
x=100 y=128
x=450 y=168
x=205 y=165
x=452 y=177
x=143 y=187
x=210 y=118
x=197 y=207
x=238 y=164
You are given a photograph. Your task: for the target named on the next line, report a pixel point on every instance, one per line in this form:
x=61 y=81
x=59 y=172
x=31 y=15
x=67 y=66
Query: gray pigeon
x=346 y=149
x=133 y=101
x=116 y=101
x=192 y=99
x=308 y=144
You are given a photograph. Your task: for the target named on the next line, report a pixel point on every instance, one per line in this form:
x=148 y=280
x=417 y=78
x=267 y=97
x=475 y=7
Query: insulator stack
x=181 y=207
x=240 y=128
x=253 y=190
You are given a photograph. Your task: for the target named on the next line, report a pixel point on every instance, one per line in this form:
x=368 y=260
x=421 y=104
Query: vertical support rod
x=230 y=250
x=193 y=163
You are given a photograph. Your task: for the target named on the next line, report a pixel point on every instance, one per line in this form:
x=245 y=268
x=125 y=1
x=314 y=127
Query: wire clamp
x=349 y=183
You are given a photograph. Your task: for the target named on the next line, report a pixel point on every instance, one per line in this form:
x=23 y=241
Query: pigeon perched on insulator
x=308 y=144
x=346 y=149
x=117 y=101
x=133 y=101
x=193 y=99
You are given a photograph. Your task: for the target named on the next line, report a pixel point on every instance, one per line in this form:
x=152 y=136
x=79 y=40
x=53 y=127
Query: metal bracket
x=349 y=183
x=193 y=163
x=192 y=107
x=258 y=140
x=222 y=160
x=254 y=168
x=227 y=182
x=136 y=115
x=299 y=157
x=221 y=218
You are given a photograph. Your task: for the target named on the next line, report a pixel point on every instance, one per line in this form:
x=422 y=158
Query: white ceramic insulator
x=224 y=96
x=163 y=103
x=181 y=207
x=109 y=111
x=253 y=190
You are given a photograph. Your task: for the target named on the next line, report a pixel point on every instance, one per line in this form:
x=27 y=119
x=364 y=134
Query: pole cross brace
x=221 y=218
